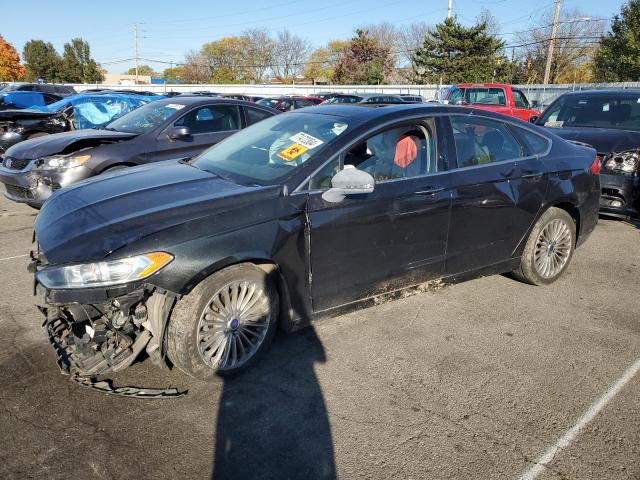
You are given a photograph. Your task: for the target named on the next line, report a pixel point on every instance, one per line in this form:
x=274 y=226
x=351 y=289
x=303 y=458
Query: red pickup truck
x=495 y=97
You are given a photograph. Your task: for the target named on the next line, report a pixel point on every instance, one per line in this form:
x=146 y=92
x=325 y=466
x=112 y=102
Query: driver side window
x=209 y=119
x=396 y=153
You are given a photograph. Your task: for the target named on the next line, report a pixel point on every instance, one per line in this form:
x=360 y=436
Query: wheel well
x=121 y=164
x=573 y=211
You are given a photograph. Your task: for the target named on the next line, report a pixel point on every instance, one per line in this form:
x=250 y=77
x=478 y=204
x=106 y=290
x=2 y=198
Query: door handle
x=430 y=191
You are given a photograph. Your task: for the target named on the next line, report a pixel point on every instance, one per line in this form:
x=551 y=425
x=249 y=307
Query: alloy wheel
x=553 y=248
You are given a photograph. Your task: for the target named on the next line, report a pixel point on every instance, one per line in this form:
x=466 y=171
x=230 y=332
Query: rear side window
x=254 y=115
x=536 y=144
x=481 y=141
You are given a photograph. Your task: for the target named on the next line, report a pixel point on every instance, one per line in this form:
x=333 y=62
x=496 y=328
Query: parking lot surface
x=474 y=380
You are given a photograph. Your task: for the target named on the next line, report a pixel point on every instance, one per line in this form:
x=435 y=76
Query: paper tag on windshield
x=554 y=124
x=175 y=106
x=290 y=153
x=306 y=140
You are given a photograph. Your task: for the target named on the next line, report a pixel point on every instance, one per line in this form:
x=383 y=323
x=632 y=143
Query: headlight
x=60 y=162
x=622 y=162
x=102 y=274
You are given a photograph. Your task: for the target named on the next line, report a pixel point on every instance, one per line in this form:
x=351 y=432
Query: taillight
x=595 y=166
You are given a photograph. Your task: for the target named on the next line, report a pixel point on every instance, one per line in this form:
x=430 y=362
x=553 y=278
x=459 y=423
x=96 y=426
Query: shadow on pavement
x=272 y=421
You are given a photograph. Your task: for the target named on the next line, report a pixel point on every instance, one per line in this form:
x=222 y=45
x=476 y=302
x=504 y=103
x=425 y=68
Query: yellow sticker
x=293 y=151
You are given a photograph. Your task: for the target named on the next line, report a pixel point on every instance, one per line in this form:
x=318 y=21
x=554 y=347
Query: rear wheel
x=549 y=248
x=225 y=324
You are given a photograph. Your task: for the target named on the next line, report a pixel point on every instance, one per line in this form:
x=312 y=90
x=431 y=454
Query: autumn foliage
x=10 y=67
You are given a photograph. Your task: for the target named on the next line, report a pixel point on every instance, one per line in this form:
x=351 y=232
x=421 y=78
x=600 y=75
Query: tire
x=198 y=320
x=549 y=248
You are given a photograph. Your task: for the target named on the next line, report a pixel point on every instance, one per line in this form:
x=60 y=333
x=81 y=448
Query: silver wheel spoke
x=553 y=248
x=233 y=325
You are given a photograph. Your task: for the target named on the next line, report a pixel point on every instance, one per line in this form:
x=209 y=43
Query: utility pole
x=135 y=41
x=554 y=30
x=449 y=8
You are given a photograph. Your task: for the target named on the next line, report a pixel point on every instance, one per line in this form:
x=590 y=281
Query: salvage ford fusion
x=198 y=262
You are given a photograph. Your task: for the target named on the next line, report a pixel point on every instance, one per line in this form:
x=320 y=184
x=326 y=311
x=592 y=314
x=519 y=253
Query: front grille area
x=15 y=163
x=19 y=192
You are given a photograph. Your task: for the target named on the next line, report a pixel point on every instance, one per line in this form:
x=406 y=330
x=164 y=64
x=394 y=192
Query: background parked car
x=166 y=129
x=365 y=98
x=285 y=104
x=494 y=97
x=412 y=98
x=246 y=98
x=609 y=121
x=71 y=113
x=52 y=88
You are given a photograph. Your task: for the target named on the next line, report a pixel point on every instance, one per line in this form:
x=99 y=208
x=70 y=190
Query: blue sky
x=169 y=28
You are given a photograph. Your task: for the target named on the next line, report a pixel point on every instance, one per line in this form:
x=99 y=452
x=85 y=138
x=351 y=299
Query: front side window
x=209 y=119
x=273 y=148
x=397 y=153
x=482 y=141
x=596 y=111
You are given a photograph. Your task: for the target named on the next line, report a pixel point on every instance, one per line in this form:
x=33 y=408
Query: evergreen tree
x=77 y=64
x=42 y=60
x=618 y=56
x=452 y=53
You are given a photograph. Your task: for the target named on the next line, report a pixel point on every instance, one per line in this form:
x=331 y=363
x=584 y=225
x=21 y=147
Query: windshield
x=344 y=99
x=268 y=102
x=272 y=148
x=597 y=111
x=146 y=118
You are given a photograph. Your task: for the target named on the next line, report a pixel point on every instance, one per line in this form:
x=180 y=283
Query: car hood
x=604 y=140
x=64 y=142
x=90 y=220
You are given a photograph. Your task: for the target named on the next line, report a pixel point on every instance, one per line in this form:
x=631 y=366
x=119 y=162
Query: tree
x=10 y=67
x=226 y=59
x=452 y=53
x=289 y=56
x=195 y=68
x=142 y=70
x=618 y=57
x=573 y=51
x=173 y=74
x=42 y=60
x=322 y=61
x=258 y=54
x=77 y=64
x=364 y=61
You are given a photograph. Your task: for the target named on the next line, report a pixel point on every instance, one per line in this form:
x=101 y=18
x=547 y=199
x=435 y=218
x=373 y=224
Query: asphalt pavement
x=486 y=379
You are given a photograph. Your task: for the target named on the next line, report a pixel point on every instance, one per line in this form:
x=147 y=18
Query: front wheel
x=225 y=324
x=549 y=248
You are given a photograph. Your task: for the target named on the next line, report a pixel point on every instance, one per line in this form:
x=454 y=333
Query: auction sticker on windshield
x=292 y=152
x=175 y=106
x=306 y=140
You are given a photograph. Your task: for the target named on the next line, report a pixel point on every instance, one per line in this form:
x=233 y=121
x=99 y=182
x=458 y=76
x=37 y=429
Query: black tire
x=528 y=271
x=183 y=347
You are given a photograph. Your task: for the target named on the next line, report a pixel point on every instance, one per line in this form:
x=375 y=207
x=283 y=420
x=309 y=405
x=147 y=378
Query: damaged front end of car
x=103 y=329
x=620 y=182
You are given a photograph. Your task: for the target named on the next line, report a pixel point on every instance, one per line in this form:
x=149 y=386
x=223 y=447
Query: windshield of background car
x=268 y=102
x=146 y=118
x=597 y=111
x=272 y=148
x=344 y=99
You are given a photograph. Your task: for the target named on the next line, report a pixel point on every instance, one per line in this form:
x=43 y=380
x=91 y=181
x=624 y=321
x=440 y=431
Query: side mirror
x=349 y=181
x=177 y=133
x=533 y=118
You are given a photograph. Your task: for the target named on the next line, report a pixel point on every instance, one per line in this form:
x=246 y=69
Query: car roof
x=624 y=92
x=368 y=94
x=205 y=100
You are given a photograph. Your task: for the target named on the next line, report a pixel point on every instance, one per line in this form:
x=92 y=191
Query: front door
x=386 y=240
x=208 y=125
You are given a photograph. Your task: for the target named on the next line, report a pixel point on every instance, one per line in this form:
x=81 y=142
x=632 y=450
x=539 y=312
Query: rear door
x=208 y=124
x=521 y=107
x=485 y=227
